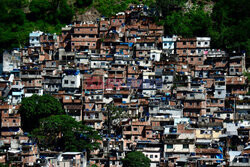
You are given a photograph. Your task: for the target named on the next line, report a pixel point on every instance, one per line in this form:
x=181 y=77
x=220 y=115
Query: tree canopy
x=227 y=25
x=231 y=24
x=37 y=107
x=188 y=24
x=19 y=17
x=64 y=133
x=135 y=159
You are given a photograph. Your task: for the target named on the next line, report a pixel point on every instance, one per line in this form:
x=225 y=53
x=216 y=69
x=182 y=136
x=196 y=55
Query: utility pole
x=109 y=131
x=235 y=108
x=108 y=136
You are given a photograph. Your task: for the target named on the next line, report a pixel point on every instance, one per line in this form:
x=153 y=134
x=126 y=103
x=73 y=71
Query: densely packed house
x=182 y=102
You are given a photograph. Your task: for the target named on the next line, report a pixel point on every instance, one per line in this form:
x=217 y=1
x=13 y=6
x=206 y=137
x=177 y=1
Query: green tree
x=40 y=10
x=83 y=3
x=135 y=159
x=166 y=7
x=114 y=115
x=11 y=18
x=63 y=133
x=65 y=13
x=36 y=107
x=195 y=22
x=231 y=22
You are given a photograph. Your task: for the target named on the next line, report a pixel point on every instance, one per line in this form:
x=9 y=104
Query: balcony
x=84 y=39
x=194 y=106
x=146 y=48
x=116 y=76
x=31 y=76
x=17 y=93
x=91 y=118
x=195 y=97
x=164 y=119
x=26 y=84
x=11 y=124
x=8 y=133
x=151 y=149
x=243 y=107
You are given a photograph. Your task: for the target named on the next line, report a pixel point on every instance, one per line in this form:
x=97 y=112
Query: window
x=151 y=156
x=184 y=51
x=192 y=59
x=219 y=92
x=165 y=44
x=237 y=70
x=199 y=59
x=66 y=82
x=156 y=156
x=199 y=43
x=184 y=43
x=191 y=43
x=206 y=43
x=169 y=146
x=14 y=121
x=134 y=129
x=140 y=53
x=72 y=82
x=185 y=146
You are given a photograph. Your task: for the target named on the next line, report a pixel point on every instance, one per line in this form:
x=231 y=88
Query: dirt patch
x=90 y=15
